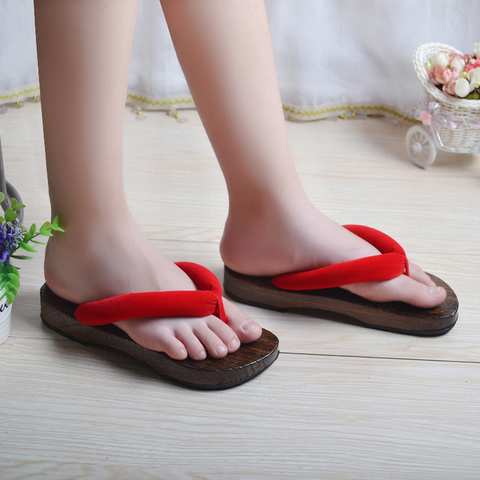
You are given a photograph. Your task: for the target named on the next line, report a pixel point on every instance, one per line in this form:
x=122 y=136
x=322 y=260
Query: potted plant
x=15 y=237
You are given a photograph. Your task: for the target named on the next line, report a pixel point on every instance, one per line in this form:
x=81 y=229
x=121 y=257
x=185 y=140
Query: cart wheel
x=420 y=146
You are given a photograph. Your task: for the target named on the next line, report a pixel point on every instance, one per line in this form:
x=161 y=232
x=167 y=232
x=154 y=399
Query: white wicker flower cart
x=450 y=124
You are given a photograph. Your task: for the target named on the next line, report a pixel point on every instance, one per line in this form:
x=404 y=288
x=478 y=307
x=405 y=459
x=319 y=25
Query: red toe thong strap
x=390 y=264
x=207 y=300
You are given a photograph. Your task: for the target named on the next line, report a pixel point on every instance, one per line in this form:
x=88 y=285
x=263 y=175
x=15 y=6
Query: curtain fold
x=334 y=57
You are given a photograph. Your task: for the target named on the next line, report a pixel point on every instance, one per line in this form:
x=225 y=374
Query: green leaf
x=45 y=229
x=21 y=257
x=5 y=268
x=9 y=268
x=56 y=226
x=10 y=283
x=11 y=296
x=13 y=279
x=14 y=201
x=38 y=242
x=2 y=197
x=10 y=215
x=14 y=270
x=18 y=206
x=2 y=219
x=32 y=231
x=26 y=247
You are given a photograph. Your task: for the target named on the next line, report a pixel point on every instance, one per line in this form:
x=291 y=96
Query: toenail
x=435 y=290
x=182 y=353
x=202 y=355
x=247 y=326
x=222 y=350
x=234 y=344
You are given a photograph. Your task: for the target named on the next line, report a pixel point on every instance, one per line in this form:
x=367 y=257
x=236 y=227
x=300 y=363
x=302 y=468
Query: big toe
x=401 y=289
x=419 y=294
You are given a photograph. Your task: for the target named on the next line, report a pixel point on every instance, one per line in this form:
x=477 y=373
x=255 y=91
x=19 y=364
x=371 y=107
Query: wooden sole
x=209 y=374
x=397 y=317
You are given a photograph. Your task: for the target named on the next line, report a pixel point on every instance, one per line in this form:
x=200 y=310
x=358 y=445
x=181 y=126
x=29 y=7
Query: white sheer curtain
x=333 y=56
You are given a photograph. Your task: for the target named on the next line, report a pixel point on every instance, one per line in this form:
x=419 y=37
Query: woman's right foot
x=82 y=268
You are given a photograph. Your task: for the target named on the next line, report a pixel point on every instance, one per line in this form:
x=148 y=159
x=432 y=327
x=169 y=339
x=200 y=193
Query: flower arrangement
x=455 y=74
x=12 y=238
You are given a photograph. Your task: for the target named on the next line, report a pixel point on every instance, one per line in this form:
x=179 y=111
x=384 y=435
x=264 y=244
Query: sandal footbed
x=392 y=316
x=209 y=374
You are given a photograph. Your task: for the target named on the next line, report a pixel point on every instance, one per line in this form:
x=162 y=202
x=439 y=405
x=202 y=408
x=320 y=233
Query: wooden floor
x=341 y=402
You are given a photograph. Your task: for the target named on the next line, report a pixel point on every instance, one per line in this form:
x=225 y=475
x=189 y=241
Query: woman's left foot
x=292 y=239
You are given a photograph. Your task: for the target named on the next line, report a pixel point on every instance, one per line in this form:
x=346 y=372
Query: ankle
x=93 y=260
x=295 y=238
x=68 y=259
x=255 y=238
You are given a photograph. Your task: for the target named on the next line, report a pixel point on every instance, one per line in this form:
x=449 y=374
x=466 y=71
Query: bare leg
x=225 y=51
x=84 y=51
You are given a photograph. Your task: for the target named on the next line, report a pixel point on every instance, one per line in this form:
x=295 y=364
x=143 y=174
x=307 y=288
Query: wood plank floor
x=341 y=402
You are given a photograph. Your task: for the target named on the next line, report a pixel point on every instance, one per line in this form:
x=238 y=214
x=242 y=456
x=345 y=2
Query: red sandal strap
x=390 y=264
x=207 y=300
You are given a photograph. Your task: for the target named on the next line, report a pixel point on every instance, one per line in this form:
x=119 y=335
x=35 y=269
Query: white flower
x=476 y=50
x=458 y=63
x=462 y=87
x=474 y=77
x=439 y=60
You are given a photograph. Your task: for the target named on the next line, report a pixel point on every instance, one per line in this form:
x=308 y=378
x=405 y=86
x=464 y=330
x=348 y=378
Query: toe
x=420 y=276
x=418 y=294
x=246 y=329
x=401 y=289
x=214 y=338
x=223 y=332
x=156 y=336
x=194 y=346
x=172 y=346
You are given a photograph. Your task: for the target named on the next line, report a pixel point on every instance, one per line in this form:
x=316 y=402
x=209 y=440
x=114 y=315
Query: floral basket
x=455 y=122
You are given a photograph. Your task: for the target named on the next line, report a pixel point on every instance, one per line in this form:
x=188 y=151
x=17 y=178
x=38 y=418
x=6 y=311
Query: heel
x=59 y=315
x=63 y=334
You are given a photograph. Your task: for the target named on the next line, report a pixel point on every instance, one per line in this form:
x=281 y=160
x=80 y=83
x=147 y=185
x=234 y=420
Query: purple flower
x=4 y=255
x=10 y=235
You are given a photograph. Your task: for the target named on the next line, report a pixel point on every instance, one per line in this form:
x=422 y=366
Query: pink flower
x=431 y=76
x=455 y=73
x=450 y=87
x=472 y=64
x=469 y=66
x=440 y=75
x=426 y=117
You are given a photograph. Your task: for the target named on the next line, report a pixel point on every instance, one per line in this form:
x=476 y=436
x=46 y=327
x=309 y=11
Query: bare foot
x=297 y=237
x=82 y=269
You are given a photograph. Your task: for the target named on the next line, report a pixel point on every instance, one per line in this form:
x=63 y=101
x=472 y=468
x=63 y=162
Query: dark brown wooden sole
x=210 y=374
x=392 y=316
